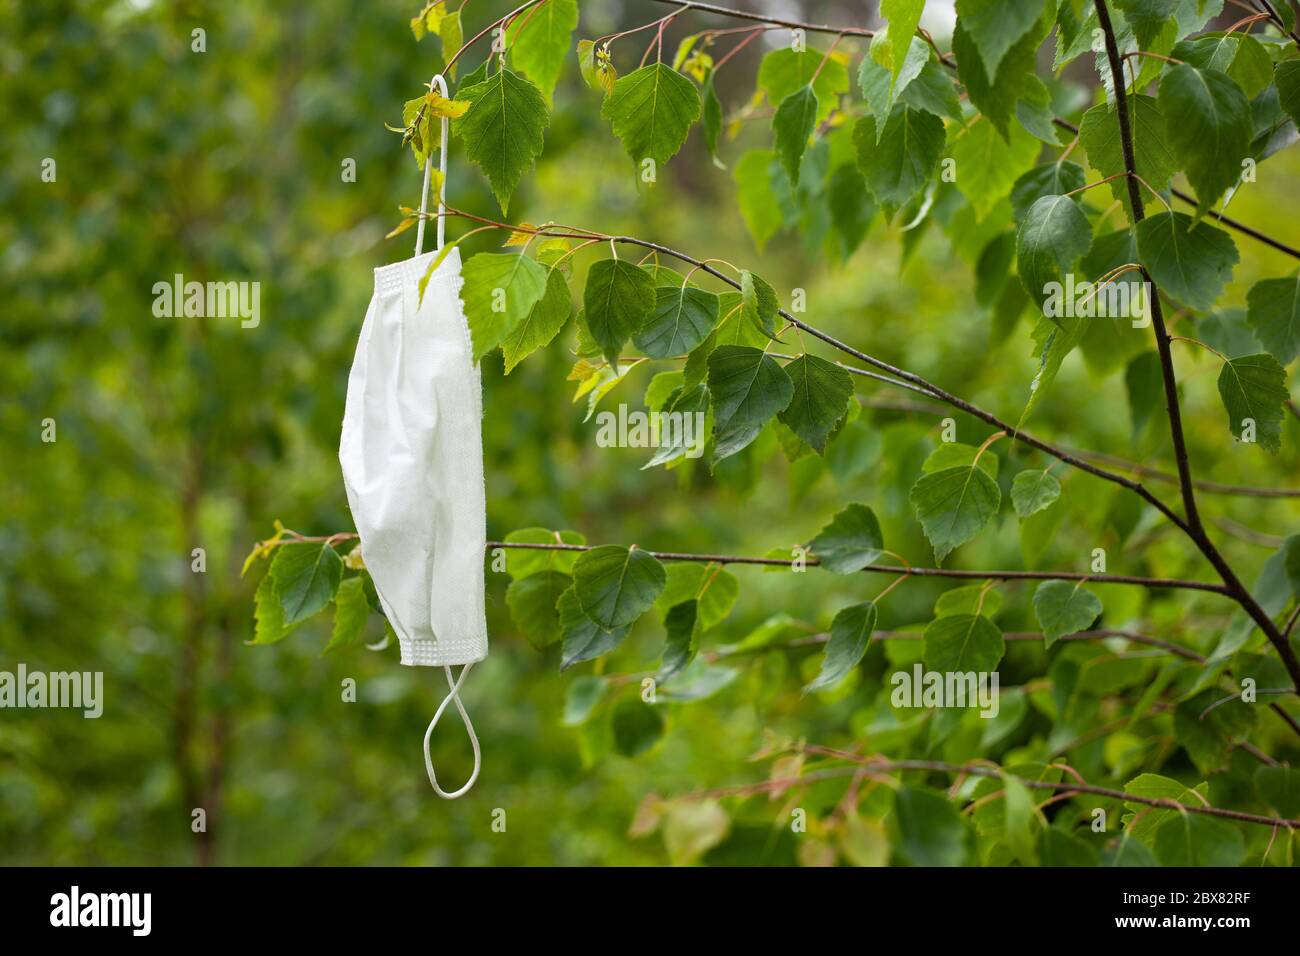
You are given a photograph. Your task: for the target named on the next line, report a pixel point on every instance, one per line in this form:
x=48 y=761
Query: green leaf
x=684 y=439
x=472 y=79
x=532 y=602
x=1128 y=852
x=712 y=120
x=1034 y=111
x=1033 y=490
x=994 y=27
x=616 y=585
x=1288 y=556
x=792 y=126
x=1145 y=385
x=1049 y=179
x=1210 y=737
x=963 y=643
x=583 y=640
x=993 y=267
x=452 y=37
x=683 y=317
x=503 y=129
x=1208 y=126
x=758 y=303
x=1194 y=839
x=933 y=92
x=1239 y=55
x=1052 y=238
x=988 y=165
x=692 y=828
x=1147 y=17
x=1053 y=341
x=822 y=391
x=950 y=454
x=933 y=832
x=786 y=70
x=582 y=698
x=974 y=599
x=997 y=99
x=1287 y=77
x=954 y=505
x=538 y=41
x=269 y=618
x=1156 y=787
x=306 y=575
x=1190 y=261
x=850 y=636
x=1100 y=135
x=683 y=639
x=748 y=388
x=637 y=727
x=618 y=300
x=1020 y=818
x=759 y=206
x=1279 y=787
x=1273 y=311
x=1063 y=849
x=900 y=164
x=903 y=17
x=522 y=562
x=1064 y=608
x=651 y=111
x=351 y=611
x=850 y=542
x=1254 y=387
x=499 y=293
x=543 y=322
x=713 y=588
x=880 y=87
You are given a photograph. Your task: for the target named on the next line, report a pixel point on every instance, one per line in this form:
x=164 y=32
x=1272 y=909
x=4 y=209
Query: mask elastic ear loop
x=453 y=695
x=441 y=84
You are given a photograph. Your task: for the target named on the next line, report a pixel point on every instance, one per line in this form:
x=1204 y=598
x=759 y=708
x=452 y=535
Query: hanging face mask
x=412 y=457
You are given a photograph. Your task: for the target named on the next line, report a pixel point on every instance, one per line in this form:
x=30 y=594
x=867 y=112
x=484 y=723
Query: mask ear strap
x=453 y=695
x=441 y=85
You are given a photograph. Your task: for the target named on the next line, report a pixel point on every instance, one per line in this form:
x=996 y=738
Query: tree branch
x=1195 y=529
x=895 y=569
x=877 y=764
x=763 y=18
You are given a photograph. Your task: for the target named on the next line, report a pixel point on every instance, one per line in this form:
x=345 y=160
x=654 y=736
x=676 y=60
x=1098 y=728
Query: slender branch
x=875 y=764
x=294 y=538
x=1195 y=529
x=1272 y=15
x=1212 y=487
x=896 y=569
x=1026 y=636
x=764 y=18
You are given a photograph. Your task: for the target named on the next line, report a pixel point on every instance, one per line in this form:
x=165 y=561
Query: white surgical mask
x=412 y=457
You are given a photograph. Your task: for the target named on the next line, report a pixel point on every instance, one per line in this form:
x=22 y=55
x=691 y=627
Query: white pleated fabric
x=412 y=457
